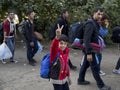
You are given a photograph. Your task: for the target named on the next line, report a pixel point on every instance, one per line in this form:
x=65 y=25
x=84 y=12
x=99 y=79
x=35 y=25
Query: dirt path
x=21 y=76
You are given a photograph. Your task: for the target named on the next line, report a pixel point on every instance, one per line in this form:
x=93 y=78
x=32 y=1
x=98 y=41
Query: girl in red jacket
x=60 y=45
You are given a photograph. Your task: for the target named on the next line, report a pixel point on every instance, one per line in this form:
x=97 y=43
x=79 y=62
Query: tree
x=47 y=11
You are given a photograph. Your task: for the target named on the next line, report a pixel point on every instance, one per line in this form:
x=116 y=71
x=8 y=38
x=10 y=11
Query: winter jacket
x=6 y=27
x=63 y=57
x=91 y=34
x=29 y=29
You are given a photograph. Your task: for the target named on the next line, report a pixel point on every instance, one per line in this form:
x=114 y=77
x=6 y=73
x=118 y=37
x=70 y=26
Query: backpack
x=77 y=31
x=72 y=32
x=116 y=34
x=21 y=26
x=45 y=66
x=1 y=32
x=79 y=34
x=52 y=32
x=80 y=31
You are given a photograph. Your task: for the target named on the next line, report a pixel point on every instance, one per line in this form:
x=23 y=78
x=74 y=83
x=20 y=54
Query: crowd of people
x=93 y=30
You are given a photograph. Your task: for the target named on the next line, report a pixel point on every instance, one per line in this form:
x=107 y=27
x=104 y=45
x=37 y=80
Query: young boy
x=60 y=45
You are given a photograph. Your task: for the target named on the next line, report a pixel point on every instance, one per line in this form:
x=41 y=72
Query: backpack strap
x=54 y=61
x=55 y=58
x=91 y=21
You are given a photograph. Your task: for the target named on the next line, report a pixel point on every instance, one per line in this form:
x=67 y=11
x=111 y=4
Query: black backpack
x=1 y=32
x=74 y=31
x=116 y=34
x=52 y=32
x=21 y=26
x=79 y=30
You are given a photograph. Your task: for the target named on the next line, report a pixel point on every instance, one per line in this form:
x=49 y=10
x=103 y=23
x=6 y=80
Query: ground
x=22 y=76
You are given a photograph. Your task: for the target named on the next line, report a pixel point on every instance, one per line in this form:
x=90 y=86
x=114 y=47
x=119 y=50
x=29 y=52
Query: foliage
x=47 y=11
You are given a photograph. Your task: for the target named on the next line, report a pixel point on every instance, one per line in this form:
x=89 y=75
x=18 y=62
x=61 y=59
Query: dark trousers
x=61 y=87
x=31 y=50
x=118 y=64
x=70 y=63
x=94 y=64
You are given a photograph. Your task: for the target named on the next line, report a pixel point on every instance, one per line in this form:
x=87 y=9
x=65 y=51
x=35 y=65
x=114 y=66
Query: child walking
x=60 y=45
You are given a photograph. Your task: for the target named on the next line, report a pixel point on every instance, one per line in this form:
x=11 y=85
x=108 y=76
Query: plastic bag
x=40 y=47
x=5 y=52
x=101 y=42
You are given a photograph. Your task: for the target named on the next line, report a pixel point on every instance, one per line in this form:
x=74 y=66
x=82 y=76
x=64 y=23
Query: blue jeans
x=94 y=64
x=31 y=50
x=11 y=45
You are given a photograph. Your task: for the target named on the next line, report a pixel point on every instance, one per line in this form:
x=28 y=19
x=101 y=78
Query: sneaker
x=3 y=61
x=13 y=61
x=83 y=83
x=102 y=73
x=32 y=63
x=105 y=88
x=115 y=71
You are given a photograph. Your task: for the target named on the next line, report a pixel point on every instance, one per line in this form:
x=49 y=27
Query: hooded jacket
x=63 y=57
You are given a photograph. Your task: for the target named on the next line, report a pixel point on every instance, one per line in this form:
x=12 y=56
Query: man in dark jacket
x=61 y=21
x=90 y=58
x=31 y=41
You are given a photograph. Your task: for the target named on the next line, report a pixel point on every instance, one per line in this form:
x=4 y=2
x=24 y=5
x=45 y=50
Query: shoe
x=105 y=88
x=13 y=61
x=102 y=73
x=32 y=63
x=115 y=71
x=3 y=61
x=73 y=67
x=83 y=83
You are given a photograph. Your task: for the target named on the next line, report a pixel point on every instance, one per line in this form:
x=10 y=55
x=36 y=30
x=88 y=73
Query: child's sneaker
x=102 y=73
x=115 y=71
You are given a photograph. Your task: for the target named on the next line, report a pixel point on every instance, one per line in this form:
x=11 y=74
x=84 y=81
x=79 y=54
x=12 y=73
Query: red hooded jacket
x=64 y=70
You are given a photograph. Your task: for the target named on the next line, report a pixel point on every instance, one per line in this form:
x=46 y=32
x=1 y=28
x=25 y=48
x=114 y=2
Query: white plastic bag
x=40 y=47
x=5 y=52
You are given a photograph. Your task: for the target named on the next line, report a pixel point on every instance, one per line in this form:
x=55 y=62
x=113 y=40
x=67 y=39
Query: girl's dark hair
x=63 y=38
x=105 y=16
